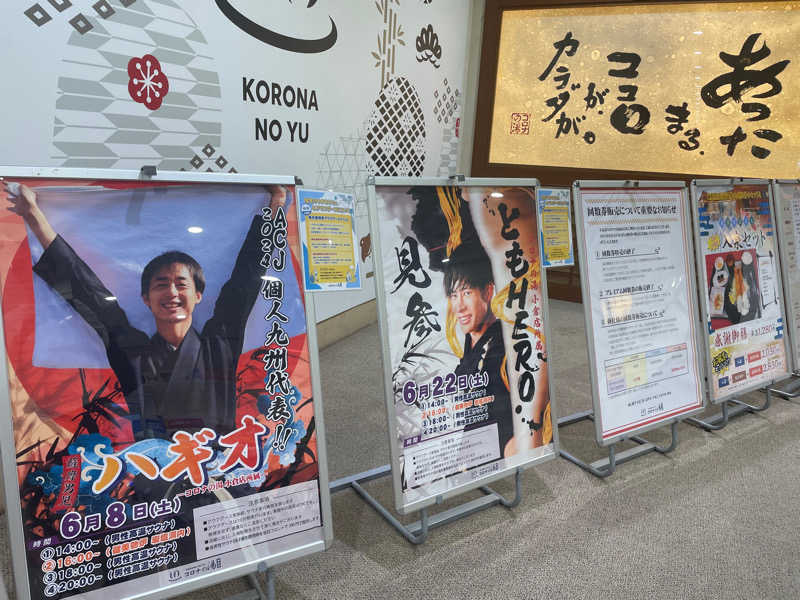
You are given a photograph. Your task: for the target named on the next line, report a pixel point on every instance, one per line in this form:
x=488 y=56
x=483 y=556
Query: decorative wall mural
x=428 y=47
x=447 y=108
x=82 y=22
x=147 y=84
x=101 y=121
x=448 y=158
x=342 y=167
x=208 y=160
x=388 y=39
x=447 y=103
x=396 y=135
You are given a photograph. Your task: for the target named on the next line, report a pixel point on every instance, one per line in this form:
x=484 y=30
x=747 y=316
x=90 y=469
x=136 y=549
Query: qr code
x=520 y=123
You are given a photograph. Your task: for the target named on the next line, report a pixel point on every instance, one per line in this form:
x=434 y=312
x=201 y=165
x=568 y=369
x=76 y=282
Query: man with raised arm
x=178 y=379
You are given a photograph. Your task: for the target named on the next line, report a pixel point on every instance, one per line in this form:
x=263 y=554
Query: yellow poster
x=327 y=231
x=705 y=88
x=555 y=225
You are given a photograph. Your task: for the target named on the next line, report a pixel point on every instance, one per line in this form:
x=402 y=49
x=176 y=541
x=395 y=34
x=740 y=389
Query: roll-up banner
x=462 y=305
x=739 y=276
x=160 y=386
x=640 y=304
x=786 y=195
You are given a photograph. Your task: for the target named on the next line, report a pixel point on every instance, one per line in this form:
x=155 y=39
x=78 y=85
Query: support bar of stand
x=790 y=391
x=720 y=420
x=346 y=482
x=417 y=532
x=257 y=592
x=606 y=466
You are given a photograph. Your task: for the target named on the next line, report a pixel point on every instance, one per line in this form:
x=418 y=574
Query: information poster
x=638 y=281
x=555 y=226
x=328 y=237
x=741 y=275
x=463 y=291
x=788 y=204
x=159 y=379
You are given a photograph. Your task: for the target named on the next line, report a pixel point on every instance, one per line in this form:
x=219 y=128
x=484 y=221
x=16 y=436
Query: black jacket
x=166 y=390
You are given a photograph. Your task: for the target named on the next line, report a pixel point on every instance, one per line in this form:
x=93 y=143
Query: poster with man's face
x=159 y=381
x=466 y=330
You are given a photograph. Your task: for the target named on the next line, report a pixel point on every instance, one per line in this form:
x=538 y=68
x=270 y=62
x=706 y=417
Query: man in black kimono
x=469 y=287
x=178 y=379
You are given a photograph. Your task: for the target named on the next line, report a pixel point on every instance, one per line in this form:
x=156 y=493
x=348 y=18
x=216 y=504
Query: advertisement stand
x=786 y=196
x=145 y=203
x=742 y=307
x=442 y=282
x=640 y=331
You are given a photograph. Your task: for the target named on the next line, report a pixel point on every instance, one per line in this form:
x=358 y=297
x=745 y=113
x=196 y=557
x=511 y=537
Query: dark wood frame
x=548 y=175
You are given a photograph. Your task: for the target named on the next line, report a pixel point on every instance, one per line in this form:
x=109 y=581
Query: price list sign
x=741 y=285
x=638 y=289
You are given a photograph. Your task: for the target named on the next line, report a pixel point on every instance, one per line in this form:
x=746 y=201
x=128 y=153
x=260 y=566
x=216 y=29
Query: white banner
x=330 y=91
x=637 y=275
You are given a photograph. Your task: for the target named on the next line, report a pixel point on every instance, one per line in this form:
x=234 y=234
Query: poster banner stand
x=604 y=467
x=259 y=590
x=604 y=198
x=705 y=224
x=417 y=532
x=786 y=207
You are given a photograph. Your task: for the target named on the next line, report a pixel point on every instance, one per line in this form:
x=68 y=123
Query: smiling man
x=469 y=287
x=178 y=379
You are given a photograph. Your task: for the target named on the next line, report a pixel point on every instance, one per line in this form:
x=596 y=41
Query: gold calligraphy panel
x=707 y=88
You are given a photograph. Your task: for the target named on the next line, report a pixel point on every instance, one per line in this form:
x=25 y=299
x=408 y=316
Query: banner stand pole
x=720 y=420
x=417 y=532
x=606 y=466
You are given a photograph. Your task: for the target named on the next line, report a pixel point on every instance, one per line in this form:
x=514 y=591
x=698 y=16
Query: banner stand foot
x=417 y=532
x=606 y=466
x=720 y=420
x=257 y=592
x=789 y=389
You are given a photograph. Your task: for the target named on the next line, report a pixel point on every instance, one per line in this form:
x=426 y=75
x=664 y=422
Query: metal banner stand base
x=606 y=466
x=720 y=420
x=789 y=389
x=417 y=532
x=258 y=592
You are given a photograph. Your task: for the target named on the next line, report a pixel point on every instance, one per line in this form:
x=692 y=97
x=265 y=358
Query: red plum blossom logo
x=147 y=83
